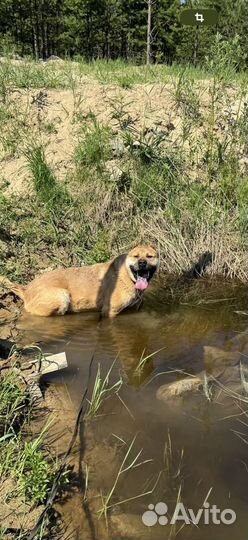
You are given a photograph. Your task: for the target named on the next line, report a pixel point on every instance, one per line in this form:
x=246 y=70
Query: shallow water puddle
x=188 y=449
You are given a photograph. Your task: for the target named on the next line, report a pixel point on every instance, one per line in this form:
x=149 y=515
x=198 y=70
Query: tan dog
x=106 y=287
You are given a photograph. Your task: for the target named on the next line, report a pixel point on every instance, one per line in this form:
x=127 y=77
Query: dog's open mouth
x=142 y=277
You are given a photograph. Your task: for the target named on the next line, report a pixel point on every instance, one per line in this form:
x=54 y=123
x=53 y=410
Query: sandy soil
x=53 y=117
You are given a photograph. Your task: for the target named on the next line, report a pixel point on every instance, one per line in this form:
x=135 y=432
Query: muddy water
x=193 y=447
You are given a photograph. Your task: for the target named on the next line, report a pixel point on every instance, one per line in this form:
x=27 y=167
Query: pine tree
x=118 y=29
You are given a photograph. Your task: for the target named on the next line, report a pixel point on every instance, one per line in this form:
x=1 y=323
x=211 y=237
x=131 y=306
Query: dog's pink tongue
x=141 y=284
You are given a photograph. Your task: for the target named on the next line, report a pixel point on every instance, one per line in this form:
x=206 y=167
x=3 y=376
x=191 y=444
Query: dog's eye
x=149 y=256
x=136 y=256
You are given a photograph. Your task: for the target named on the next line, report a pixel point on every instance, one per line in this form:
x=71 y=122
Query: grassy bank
x=28 y=466
x=109 y=154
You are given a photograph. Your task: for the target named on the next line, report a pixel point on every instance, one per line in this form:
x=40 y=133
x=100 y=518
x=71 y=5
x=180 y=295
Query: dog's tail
x=19 y=290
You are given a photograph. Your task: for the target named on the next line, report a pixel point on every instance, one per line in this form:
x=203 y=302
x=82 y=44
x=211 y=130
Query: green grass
x=13 y=404
x=35 y=471
x=24 y=457
x=65 y=74
x=223 y=60
x=47 y=188
x=43 y=177
x=101 y=391
x=144 y=360
x=94 y=147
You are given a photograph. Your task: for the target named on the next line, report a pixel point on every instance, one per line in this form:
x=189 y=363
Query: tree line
x=113 y=29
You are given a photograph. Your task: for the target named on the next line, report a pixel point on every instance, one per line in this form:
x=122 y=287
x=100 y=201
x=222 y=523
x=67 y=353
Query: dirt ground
x=9 y=312
x=147 y=104
x=55 y=117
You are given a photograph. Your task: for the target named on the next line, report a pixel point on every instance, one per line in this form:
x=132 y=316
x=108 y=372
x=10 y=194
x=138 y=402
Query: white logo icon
x=199 y=17
x=155 y=514
x=208 y=514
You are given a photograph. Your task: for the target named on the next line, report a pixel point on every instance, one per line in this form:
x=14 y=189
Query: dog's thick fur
x=106 y=287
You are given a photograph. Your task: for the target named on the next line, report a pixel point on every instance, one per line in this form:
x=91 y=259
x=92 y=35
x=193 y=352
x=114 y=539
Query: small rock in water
x=222 y=364
x=215 y=358
x=179 y=388
x=54 y=362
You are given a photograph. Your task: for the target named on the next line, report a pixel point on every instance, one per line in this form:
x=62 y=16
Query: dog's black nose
x=142 y=263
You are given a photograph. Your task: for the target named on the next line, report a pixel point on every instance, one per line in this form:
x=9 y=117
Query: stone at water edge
x=179 y=388
x=49 y=364
x=53 y=362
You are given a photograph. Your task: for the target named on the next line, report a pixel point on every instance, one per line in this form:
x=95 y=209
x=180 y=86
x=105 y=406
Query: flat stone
x=179 y=388
x=53 y=362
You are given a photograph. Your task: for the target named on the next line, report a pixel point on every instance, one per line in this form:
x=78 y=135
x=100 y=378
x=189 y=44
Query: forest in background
x=113 y=29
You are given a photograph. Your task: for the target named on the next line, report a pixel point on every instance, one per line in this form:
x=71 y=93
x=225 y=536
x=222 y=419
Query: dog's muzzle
x=142 y=272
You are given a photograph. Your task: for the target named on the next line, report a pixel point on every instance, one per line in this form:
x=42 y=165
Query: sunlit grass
x=102 y=390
